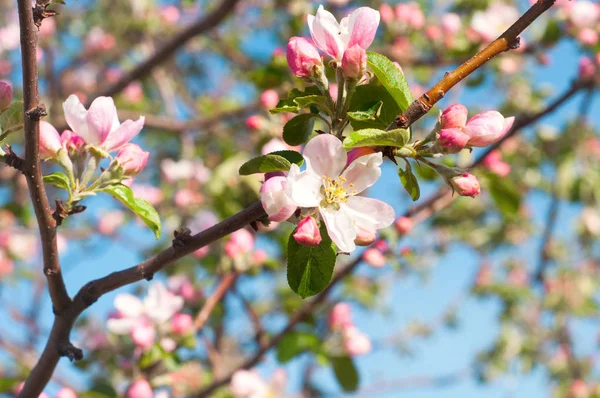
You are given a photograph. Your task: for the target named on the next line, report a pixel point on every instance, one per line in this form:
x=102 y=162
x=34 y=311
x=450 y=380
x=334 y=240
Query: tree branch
x=214 y=299
x=507 y=41
x=34 y=111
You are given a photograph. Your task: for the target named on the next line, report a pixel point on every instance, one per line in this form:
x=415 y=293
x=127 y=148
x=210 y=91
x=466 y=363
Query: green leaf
x=296 y=343
x=410 y=182
x=58 y=179
x=375 y=137
x=368 y=114
x=505 y=195
x=391 y=78
x=275 y=161
x=345 y=373
x=299 y=129
x=11 y=119
x=309 y=269
x=364 y=98
x=8 y=384
x=298 y=100
x=139 y=206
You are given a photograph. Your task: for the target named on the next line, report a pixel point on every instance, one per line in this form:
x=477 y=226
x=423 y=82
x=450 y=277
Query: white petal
x=129 y=305
x=369 y=213
x=362 y=27
x=340 y=228
x=362 y=173
x=75 y=116
x=160 y=304
x=100 y=118
x=122 y=325
x=325 y=156
x=325 y=32
x=304 y=188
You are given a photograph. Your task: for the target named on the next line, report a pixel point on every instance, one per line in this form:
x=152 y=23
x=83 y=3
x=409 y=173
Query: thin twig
x=214 y=299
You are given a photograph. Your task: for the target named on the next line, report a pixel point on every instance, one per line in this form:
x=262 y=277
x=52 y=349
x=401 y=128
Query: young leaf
x=366 y=97
x=375 y=137
x=139 y=206
x=410 y=182
x=391 y=78
x=298 y=130
x=505 y=195
x=345 y=373
x=296 y=343
x=372 y=112
x=11 y=119
x=297 y=100
x=276 y=161
x=58 y=179
x=309 y=269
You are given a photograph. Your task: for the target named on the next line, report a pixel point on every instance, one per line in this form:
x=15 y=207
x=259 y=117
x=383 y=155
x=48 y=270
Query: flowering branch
x=507 y=41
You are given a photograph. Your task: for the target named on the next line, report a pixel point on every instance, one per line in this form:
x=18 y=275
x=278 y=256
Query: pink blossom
x=5 y=67
x=307 y=233
x=491 y=23
x=99 y=126
x=354 y=62
x=182 y=324
x=335 y=38
x=170 y=14
x=259 y=257
x=6 y=94
x=333 y=90
x=518 y=277
x=133 y=159
x=180 y=285
x=387 y=13
x=110 y=221
x=410 y=14
x=255 y=122
x=6 y=264
x=466 y=185
x=188 y=197
x=184 y=169
x=134 y=92
x=340 y=316
x=168 y=344
x=578 y=389
x=275 y=199
x=485 y=276
x=374 y=257
x=404 y=225
x=452 y=140
x=269 y=98
x=248 y=384
x=587 y=68
x=71 y=141
x=588 y=36
x=140 y=389
x=49 y=141
x=358 y=152
x=454 y=116
x=494 y=163
x=583 y=13
x=66 y=393
x=487 y=128
x=451 y=23
x=240 y=243
x=99 y=41
x=355 y=342
x=143 y=335
x=303 y=57
x=152 y=195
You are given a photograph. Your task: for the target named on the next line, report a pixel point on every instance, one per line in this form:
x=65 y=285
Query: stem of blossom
x=339 y=104
x=90 y=169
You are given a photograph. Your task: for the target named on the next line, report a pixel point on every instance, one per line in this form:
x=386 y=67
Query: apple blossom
x=248 y=384
x=387 y=13
x=182 y=324
x=494 y=163
x=466 y=184
x=49 y=141
x=340 y=316
x=491 y=23
x=451 y=23
x=355 y=342
x=452 y=140
x=358 y=152
x=143 y=335
x=487 y=128
x=410 y=14
x=328 y=185
x=66 y=393
x=275 y=200
x=255 y=122
x=149 y=193
x=587 y=68
x=269 y=98
x=132 y=159
x=583 y=13
x=110 y=221
x=365 y=236
x=404 y=225
x=71 y=142
x=455 y=116
x=335 y=38
x=5 y=95
x=99 y=126
x=354 y=62
x=303 y=58
x=6 y=264
x=140 y=389
x=307 y=233
x=241 y=242
x=374 y=257
x=170 y=14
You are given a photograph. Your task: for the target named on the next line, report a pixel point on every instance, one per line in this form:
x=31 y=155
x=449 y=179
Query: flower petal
x=123 y=134
x=160 y=304
x=75 y=116
x=369 y=213
x=129 y=305
x=362 y=26
x=340 y=227
x=362 y=173
x=304 y=188
x=325 y=156
x=325 y=32
x=121 y=325
x=100 y=119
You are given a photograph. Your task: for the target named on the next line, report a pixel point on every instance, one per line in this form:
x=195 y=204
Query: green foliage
x=505 y=195
x=139 y=206
x=345 y=373
x=309 y=269
x=298 y=100
x=365 y=99
x=295 y=343
x=391 y=78
x=371 y=113
x=275 y=161
x=11 y=119
x=374 y=137
x=58 y=179
x=410 y=182
x=298 y=130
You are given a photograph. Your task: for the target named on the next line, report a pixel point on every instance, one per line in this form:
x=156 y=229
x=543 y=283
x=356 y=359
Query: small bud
x=269 y=99
x=374 y=257
x=5 y=95
x=587 y=68
x=307 y=233
x=133 y=159
x=487 y=128
x=255 y=122
x=358 y=152
x=49 y=141
x=451 y=23
x=340 y=316
x=355 y=342
x=364 y=237
x=275 y=200
x=404 y=225
x=182 y=324
x=452 y=140
x=454 y=116
x=354 y=62
x=71 y=141
x=466 y=185
x=140 y=389
x=240 y=243
x=303 y=57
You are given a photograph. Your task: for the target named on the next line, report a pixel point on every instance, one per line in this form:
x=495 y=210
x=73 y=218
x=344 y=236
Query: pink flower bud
x=374 y=257
x=466 y=185
x=269 y=98
x=133 y=159
x=587 y=68
x=454 y=116
x=340 y=316
x=307 y=233
x=355 y=342
x=170 y=14
x=182 y=324
x=452 y=140
x=386 y=12
x=241 y=242
x=578 y=389
x=494 y=163
x=404 y=225
x=354 y=62
x=5 y=95
x=451 y=23
x=140 y=389
x=143 y=335
x=588 y=36
x=303 y=57
x=487 y=128
x=364 y=237
x=66 y=393
x=259 y=257
x=255 y=122
x=275 y=200
x=49 y=141
x=358 y=152
x=71 y=141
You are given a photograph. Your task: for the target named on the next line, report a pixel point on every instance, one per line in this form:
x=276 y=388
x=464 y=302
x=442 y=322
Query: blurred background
x=494 y=296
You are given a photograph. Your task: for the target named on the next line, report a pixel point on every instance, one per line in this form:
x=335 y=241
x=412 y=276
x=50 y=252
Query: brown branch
x=168 y=49
x=214 y=299
x=58 y=344
x=34 y=111
x=507 y=41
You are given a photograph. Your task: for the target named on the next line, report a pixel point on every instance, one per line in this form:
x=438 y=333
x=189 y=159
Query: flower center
x=334 y=192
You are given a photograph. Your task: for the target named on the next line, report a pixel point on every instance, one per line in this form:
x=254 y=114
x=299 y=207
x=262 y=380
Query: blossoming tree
x=286 y=235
